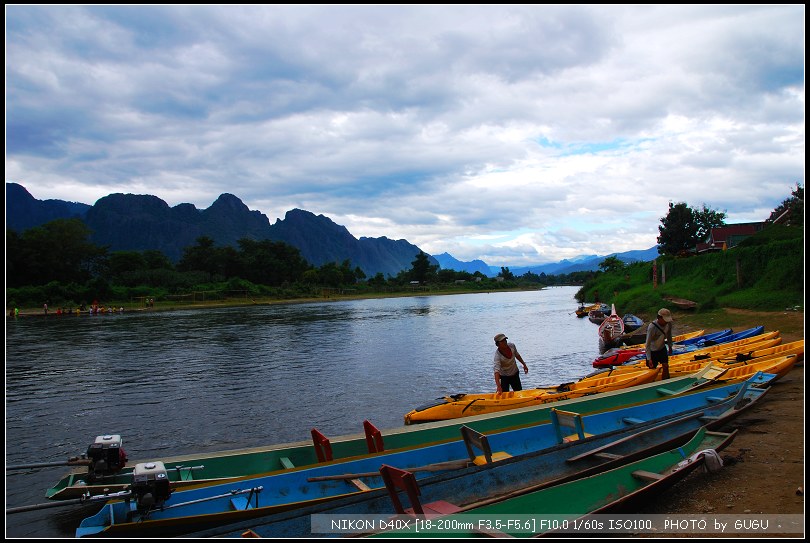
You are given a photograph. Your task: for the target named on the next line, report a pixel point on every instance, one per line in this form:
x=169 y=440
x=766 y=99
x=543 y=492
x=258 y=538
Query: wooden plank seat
x=567 y=419
x=398 y=479
x=647 y=475
x=286 y=463
x=473 y=440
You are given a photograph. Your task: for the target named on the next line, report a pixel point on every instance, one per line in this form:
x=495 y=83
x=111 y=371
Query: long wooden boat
x=611 y=328
x=583 y=310
x=620 y=489
x=186 y=470
x=540 y=469
x=681 y=303
x=153 y=509
x=463 y=405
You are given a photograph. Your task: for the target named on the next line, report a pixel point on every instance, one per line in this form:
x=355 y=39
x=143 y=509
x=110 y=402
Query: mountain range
x=130 y=222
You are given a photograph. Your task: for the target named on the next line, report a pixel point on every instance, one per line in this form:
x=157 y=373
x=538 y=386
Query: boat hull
x=196 y=508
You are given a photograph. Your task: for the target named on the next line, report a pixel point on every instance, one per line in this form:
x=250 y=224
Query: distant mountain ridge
x=130 y=222
x=582 y=263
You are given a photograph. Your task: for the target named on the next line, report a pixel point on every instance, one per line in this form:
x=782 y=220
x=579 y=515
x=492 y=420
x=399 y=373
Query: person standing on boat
x=506 y=370
x=658 y=347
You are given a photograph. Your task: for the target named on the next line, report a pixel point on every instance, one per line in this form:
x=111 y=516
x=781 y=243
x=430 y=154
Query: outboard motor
x=150 y=486
x=106 y=456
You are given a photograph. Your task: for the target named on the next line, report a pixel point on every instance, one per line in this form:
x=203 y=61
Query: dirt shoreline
x=763 y=471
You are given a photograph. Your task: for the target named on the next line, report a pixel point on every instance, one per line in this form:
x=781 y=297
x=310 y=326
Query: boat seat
x=632 y=420
x=240 y=503
x=286 y=463
x=567 y=419
x=359 y=485
x=480 y=441
x=665 y=391
x=647 y=475
x=607 y=456
x=396 y=479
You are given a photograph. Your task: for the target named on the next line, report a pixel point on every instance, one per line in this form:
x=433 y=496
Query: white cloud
x=514 y=134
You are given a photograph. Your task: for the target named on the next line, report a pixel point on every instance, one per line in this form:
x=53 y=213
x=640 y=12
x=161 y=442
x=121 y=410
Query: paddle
x=439 y=466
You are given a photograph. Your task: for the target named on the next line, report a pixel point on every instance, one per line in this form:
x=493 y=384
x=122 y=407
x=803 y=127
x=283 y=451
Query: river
x=178 y=382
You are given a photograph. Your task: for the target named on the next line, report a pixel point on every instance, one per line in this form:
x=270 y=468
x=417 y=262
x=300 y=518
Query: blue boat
x=622 y=489
x=714 y=336
x=631 y=322
x=152 y=509
x=532 y=471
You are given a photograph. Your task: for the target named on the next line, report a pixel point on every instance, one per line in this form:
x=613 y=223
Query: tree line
x=56 y=261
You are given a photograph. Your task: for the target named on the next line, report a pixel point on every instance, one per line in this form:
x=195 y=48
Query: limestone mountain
x=131 y=222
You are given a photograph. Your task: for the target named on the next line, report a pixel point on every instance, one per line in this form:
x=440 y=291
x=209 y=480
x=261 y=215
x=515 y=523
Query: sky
x=517 y=135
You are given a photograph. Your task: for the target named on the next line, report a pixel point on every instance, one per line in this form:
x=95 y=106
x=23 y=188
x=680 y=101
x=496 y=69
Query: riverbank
x=764 y=465
x=244 y=302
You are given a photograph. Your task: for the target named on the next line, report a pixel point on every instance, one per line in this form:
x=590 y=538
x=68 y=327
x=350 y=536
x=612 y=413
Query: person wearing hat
x=506 y=370
x=658 y=347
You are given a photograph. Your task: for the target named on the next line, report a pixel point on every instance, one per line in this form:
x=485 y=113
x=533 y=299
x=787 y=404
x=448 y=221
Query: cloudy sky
x=514 y=134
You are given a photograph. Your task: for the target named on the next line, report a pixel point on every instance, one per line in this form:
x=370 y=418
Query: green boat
x=194 y=470
x=622 y=489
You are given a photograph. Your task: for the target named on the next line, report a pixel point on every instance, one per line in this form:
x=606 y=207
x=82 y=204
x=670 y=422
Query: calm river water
x=183 y=381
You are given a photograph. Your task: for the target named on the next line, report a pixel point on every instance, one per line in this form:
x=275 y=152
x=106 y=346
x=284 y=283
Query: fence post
x=739 y=273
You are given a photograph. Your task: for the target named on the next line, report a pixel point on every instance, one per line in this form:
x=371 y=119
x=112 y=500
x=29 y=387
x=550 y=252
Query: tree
x=506 y=274
x=421 y=268
x=611 y=264
x=55 y=251
x=791 y=211
x=707 y=219
x=684 y=227
x=200 y=257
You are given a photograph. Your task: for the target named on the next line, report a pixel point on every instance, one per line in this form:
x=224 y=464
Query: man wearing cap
x=506 y=370
x=658 y=347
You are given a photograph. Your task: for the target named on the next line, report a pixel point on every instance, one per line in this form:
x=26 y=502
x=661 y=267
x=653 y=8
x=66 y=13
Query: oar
x=440 y=466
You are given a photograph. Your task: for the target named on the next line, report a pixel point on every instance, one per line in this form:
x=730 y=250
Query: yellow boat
x=784 y=349
x=769 y=360
x=714 y=352
x=779 y=366
x=467 y=405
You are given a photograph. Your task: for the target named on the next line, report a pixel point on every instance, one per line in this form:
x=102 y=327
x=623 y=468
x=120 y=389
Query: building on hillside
x=728 y=236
